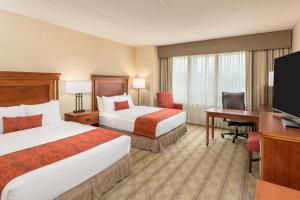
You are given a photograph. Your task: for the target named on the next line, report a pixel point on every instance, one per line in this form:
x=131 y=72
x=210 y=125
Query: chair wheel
x=222 y=135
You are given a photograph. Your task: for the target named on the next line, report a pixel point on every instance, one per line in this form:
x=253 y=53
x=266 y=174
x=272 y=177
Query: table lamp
x=138 y=83
x=78 y=88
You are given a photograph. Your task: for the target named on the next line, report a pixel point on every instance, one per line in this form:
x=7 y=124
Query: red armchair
x=165 y=100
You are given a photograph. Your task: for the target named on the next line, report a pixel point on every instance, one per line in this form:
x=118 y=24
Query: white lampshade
x=74 y=87
x=138 y=83
x=271 y=78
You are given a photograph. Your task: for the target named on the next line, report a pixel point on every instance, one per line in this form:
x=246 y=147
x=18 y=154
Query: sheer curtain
x=166 y=71
x=198 y=81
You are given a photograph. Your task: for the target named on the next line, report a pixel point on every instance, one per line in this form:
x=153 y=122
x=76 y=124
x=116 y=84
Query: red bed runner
x=20 y=162
x=146 y=125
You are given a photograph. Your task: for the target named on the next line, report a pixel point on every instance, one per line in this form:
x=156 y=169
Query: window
x=200 y=80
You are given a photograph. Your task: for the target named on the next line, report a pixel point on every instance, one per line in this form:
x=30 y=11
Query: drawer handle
x=88 y=119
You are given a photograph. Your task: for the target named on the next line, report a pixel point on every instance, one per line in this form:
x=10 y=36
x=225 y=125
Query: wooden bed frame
x=27 y=87
x=107 y=86
x=118 y=85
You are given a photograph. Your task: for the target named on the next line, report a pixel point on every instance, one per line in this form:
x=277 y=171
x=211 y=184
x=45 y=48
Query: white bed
x=125 y=119
x=117 y=111
x=53 y=180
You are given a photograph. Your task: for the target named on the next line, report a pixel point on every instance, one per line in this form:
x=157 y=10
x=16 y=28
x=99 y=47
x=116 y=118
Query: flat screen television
x=286 y=93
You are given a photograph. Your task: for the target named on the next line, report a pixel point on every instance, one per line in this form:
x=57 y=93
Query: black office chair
x=235 y=101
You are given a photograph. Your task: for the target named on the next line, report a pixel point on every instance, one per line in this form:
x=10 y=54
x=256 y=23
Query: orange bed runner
x=20 y=162
x=146 y=125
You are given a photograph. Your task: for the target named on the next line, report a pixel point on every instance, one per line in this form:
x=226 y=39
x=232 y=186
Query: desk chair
x=235 y=101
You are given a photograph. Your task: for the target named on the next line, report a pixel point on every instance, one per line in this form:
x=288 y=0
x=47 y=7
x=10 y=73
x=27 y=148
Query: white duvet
x=53 y=180
x=125 y=119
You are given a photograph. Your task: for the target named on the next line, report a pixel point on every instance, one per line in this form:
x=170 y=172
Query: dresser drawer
x=88 y=119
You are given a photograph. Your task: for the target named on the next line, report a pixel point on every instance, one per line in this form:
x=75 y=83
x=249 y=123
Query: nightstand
x=88 y=117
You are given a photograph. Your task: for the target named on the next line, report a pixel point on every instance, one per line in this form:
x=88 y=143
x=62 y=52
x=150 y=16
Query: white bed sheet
x=53 y=180
x=125 y=119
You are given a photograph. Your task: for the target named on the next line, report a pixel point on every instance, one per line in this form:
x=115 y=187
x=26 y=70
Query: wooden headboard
x=107 y=86
x=27 y=87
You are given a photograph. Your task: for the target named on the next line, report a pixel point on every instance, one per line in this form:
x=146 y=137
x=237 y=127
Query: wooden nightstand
x=88 y=117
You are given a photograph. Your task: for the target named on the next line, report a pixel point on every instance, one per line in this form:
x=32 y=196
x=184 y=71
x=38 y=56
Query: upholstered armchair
x=165 y=100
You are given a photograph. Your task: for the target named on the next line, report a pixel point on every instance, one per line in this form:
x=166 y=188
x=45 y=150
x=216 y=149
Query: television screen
x=286 y=96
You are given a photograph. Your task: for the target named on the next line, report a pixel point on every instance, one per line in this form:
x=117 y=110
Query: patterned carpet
x=190 y=170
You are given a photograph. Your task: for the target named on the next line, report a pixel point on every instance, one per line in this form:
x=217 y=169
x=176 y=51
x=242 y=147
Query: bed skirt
x=95 y=187
x=158 y=144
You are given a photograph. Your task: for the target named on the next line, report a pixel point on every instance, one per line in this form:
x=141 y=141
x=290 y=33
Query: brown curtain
x=166 y=74
x=259 y=64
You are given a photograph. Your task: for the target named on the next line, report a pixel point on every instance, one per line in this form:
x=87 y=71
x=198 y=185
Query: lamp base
x=78 y=111
x=78 y=102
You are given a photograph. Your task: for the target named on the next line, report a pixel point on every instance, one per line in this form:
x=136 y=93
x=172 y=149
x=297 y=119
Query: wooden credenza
x=270 y=191
x=280 y=152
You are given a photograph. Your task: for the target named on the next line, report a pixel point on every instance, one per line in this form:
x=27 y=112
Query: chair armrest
x=178 y=106
x=162 y=105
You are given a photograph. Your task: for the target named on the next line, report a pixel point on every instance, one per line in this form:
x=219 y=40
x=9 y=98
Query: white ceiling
x=160 y=22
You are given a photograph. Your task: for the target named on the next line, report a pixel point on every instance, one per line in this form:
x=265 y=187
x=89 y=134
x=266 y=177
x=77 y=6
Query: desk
x=269 y=191
x=239 y=115
x=280 y=152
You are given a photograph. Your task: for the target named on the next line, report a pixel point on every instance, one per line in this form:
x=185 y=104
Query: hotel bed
x=125 y=119
x=84 y=175
x=167 y=132
x=53 y=180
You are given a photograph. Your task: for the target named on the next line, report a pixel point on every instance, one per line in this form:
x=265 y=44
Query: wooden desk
x=269 y=191
x=280 y=152
x=239 y=115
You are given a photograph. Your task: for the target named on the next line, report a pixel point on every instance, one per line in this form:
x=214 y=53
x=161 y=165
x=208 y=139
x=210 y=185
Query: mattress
x=125 y=119
x=55 y=179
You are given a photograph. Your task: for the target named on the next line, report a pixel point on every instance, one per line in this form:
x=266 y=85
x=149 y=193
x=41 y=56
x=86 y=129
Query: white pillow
x=100 y=104
x=128 y=98
x=50 y=111
x=109 y=103
x=13 y=111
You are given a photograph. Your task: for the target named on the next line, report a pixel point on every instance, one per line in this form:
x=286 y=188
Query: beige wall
x=147 y=65
x=31 y=45
x=296 y=37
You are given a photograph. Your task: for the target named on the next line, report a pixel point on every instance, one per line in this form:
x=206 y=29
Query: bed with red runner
x=53 y=159
x=146 y=125
x=67 y=154
x=23 y=161
x=150 y=128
